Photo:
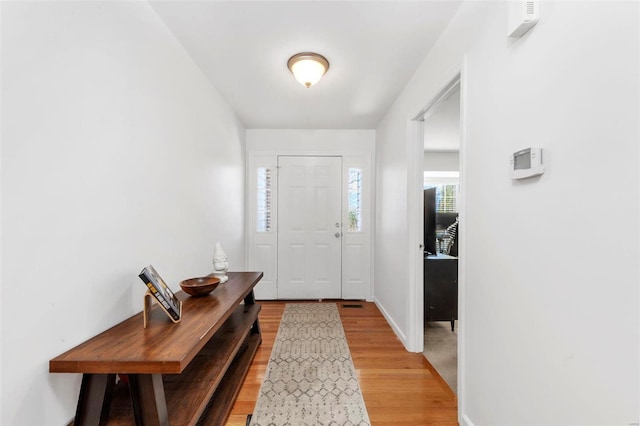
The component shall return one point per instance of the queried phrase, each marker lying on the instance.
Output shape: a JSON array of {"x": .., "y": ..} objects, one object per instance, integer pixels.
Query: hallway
[{"x": 399, "y": 387}]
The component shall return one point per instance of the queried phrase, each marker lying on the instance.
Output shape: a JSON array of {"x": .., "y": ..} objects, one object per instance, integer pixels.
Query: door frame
[{"x": 415, "y": 209}]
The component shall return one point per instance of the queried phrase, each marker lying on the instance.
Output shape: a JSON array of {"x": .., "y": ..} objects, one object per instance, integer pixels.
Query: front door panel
[{"x": 309, "y": 227}]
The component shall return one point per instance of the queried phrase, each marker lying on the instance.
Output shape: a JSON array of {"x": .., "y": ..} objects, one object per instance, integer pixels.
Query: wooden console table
[{"x": 176, "y": 374}]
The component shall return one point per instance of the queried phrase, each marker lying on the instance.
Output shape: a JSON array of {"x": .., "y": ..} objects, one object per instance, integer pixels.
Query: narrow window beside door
[
  {"x": 355, "y": 200},
  {"x": 264, "y": 200}
]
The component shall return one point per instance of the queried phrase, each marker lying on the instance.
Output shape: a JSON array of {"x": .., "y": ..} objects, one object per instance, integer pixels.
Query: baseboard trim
[
  {"x": 392, "y": 323},
  {"x": 465, "y": 420}
]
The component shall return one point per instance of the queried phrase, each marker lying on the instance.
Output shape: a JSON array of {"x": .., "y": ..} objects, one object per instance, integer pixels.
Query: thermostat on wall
[{"x": 526, "y": 163}]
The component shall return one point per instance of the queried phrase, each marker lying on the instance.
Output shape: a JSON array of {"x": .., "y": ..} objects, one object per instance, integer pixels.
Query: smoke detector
[{"x": 523, "y": 15}]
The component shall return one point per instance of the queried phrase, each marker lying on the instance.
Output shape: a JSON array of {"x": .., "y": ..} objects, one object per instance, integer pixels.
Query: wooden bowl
[{"x": 199, "y": 286}]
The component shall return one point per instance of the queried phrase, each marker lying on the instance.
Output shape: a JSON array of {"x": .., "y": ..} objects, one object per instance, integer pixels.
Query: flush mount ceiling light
[{"x": 308, "y": 67}]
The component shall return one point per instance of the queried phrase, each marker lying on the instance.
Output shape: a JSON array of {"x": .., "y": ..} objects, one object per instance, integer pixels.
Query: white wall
[
  {"x": 442, "y": 124},
  {"x": 310, "y": 142},
  {"x": 550, "y": 317},
  {"x": 116, "y": 153},
  {"x": 1, "y": 174},
  {"x": 442, "y": 135},
  {"x": 441, "y": 161}
]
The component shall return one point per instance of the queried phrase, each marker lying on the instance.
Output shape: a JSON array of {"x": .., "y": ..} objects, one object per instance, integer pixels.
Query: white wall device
[
  {"x": 526, "y": 163},
  {"x": 523, "y": 15}
]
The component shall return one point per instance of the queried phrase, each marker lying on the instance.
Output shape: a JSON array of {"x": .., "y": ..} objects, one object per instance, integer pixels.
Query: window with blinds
[
  {"x": 446, "y": 185},
  {"x": 446, "y": 198},
  {"x": 264, "y": 200}
]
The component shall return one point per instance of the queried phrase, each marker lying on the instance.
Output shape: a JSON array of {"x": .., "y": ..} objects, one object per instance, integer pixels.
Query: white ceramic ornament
[{"x": 220, "y": 264}]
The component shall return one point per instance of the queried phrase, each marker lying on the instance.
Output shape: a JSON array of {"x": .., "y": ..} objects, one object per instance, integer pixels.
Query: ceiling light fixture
[{"x": 308, "y": 67}]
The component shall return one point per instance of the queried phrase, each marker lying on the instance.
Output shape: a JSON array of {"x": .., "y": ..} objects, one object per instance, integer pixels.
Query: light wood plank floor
[{"x": 399, "y": 387}]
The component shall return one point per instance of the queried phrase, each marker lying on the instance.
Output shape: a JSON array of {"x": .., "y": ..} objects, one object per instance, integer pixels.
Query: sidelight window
[
  {"x": 264, "y": 201},
  {"x": 355, "y": 200}
]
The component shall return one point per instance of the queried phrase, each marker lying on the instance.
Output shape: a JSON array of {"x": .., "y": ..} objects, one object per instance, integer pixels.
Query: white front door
[{"x": 309, "y": 227}]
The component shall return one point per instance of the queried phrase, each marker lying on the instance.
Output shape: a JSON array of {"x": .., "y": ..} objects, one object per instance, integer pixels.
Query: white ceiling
[{"x": 374, "y": 47}]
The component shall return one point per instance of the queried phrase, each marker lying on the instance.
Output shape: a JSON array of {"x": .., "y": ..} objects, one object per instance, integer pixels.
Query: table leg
[
  {"x": 95, "y": 399},
  {"x": 249, "y": 298},
  {"x": 148, "y": 400}
]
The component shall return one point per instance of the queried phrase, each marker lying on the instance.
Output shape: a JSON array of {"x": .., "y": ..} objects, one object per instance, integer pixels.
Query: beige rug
[{"x": 310, "y": 378}]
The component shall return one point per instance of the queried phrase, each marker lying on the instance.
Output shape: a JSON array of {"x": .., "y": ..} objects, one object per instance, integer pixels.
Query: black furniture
[
  {"x": 430, "y": 221},
  {"x": 441, "y": 288}
]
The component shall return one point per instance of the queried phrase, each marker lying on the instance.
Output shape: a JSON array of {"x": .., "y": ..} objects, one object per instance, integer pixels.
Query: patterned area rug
[{"x": 310, "y": 378}]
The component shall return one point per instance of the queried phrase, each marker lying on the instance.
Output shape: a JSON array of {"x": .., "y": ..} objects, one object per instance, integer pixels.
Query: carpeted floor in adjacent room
[{"x": 441, "y": 350}]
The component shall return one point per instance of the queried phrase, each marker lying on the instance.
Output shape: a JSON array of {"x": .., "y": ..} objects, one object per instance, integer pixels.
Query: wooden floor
[{"x": 399, "y": 387}]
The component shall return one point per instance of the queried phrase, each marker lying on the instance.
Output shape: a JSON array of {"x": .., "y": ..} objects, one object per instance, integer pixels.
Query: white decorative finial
[{"x": 220, "y": 264}]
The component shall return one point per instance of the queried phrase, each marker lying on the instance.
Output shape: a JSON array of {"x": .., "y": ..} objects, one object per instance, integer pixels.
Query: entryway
[{"x": 310, "y": 214}]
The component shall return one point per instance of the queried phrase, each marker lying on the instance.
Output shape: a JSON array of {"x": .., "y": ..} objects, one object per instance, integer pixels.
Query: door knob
[{"x": 337, "y": 234}]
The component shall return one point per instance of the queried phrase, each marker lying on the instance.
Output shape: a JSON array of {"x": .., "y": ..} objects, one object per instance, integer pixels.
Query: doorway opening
[{"x": 438, "y": 140}]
